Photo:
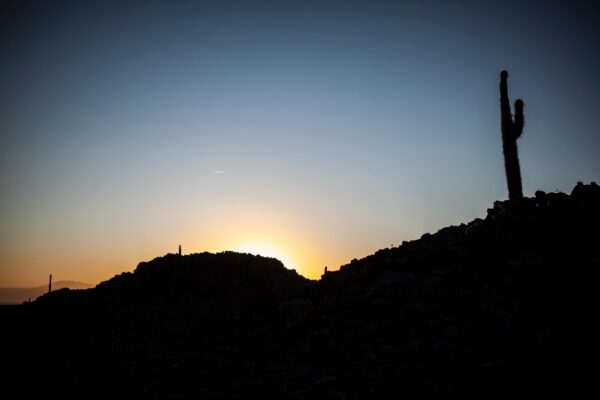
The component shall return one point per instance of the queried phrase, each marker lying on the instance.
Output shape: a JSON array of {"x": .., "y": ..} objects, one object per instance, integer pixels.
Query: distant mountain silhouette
[
  {"x": 20, "y": 295},
  {"x": 501, "y": 307}
]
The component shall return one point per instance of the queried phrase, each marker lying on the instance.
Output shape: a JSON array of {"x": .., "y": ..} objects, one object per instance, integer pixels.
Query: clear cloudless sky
[{"x": 313, "y": 131}]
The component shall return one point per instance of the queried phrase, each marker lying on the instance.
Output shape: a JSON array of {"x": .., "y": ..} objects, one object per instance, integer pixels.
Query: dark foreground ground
[{"x": 502, "y": 307}]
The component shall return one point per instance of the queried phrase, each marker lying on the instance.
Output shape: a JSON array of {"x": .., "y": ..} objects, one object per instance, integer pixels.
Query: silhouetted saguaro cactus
[{"x": 511, "y": 131}]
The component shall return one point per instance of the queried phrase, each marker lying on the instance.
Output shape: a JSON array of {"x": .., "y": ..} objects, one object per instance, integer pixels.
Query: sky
[{"x": 312, "y": 131}]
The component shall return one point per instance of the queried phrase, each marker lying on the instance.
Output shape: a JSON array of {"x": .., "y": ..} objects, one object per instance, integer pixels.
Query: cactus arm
[{"x": 519, "y": 119}]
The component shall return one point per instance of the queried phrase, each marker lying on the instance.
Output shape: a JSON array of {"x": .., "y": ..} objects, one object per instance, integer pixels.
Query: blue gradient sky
[{"x": 341, "y": 127}]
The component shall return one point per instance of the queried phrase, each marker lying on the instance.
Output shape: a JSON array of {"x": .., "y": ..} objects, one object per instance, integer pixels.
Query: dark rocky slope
[{"x": 502, "y": 307}]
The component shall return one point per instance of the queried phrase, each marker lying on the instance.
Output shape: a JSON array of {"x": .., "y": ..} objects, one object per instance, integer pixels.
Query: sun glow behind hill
[
  {"x": 287, "y": 234},
  {"x": 289, "y": 249},
  {"x": 266, "y": 251}
]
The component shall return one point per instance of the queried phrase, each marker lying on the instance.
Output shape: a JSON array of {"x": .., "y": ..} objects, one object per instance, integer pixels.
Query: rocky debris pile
[
  {"x": 501, "y": 307},
  {"x": 546, "y": 226}
]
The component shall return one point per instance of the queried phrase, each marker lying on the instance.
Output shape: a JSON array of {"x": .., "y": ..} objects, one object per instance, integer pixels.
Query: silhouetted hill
[
  {"x": 501, "y": 307},
  {"x": 20, "y": 295},
  {"x": 204, "y": 281}
]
